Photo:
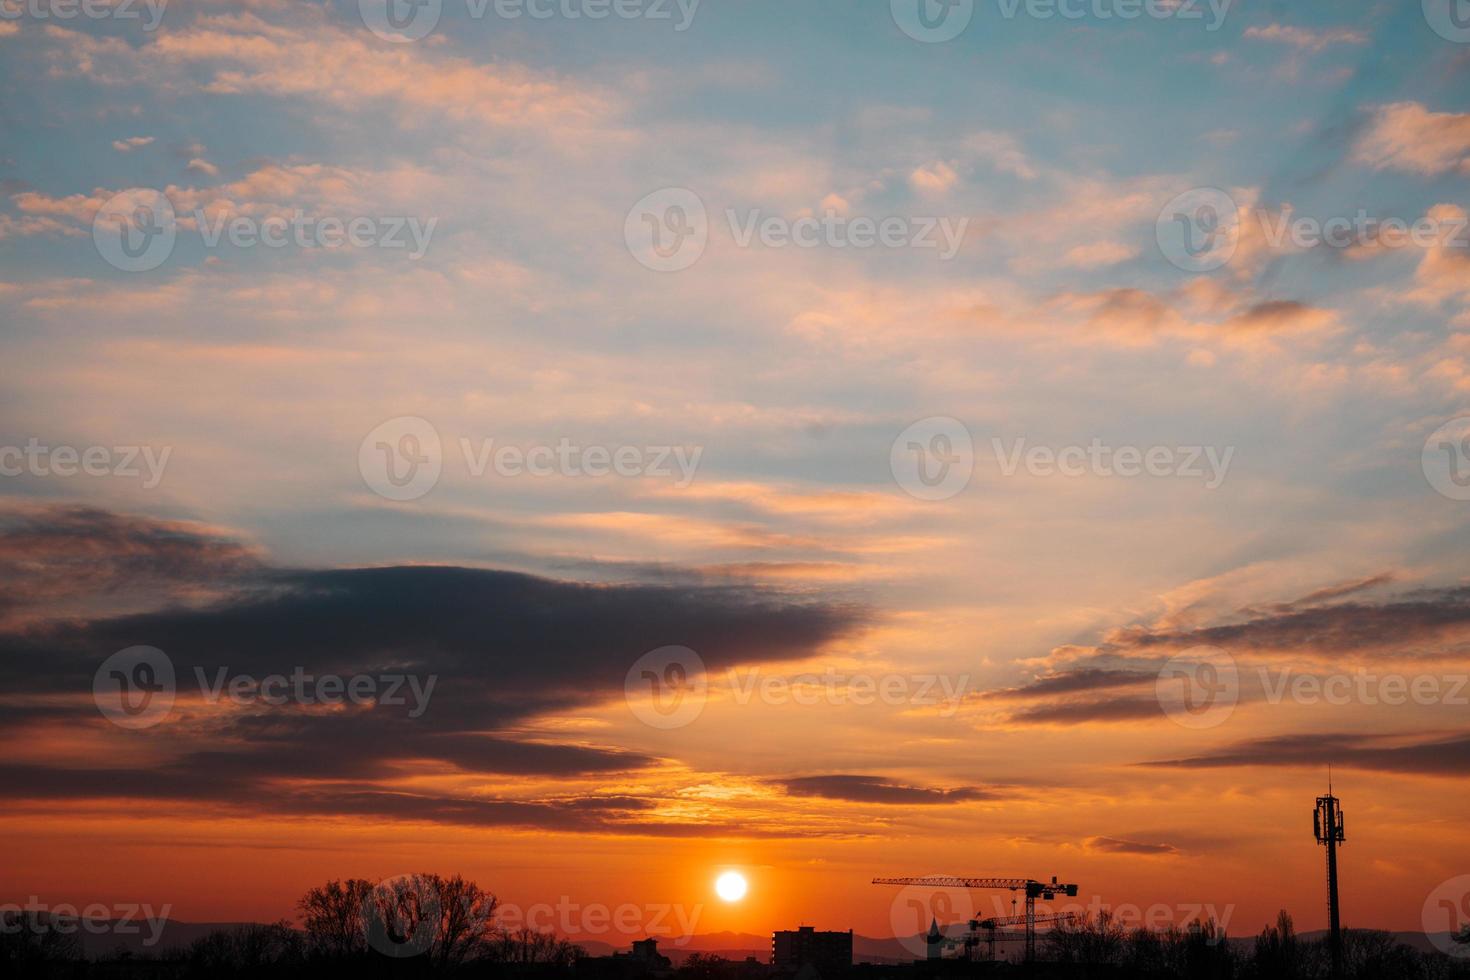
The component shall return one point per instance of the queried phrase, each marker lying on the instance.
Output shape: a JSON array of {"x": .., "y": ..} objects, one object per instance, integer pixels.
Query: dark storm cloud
[
  {"x": 504, "y": 645},
  {"x": 1431, "y": 755},
  {"x": 872, "y": 789},
  {"x": 1420, "y": 617},
  {"x": 499, "y": 647}
]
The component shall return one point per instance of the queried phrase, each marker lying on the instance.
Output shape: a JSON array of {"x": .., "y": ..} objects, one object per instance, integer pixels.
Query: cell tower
[{"x": 1327, "y": 825}]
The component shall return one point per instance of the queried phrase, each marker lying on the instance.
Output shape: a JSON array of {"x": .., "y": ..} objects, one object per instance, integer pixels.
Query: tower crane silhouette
[{"x": 1031, "y": 887}]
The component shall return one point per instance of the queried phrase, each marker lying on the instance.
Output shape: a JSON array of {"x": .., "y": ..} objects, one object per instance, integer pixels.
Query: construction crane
[{"x": 1032, "y": 889}]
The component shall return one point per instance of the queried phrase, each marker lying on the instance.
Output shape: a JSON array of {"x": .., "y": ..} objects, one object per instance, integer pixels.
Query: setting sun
[{"x": 730, "y": 886}]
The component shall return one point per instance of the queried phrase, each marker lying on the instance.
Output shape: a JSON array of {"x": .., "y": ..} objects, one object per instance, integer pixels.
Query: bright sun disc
[{"x": 730, "y": 886}]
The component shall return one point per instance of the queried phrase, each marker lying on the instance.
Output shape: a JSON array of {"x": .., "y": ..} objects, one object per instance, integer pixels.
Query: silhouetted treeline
[
  {"x": 1096, "y": 946},
  {"x": 427, "y": 926},
  {"x": 408, "y": 927}
]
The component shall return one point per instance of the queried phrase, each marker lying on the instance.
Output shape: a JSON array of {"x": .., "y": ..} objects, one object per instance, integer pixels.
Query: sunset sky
[{"x": 1019, "y": 624}]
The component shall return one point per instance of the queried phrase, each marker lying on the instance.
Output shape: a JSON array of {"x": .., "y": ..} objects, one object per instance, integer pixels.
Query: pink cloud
[{"x": 1407, "y": 136}]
